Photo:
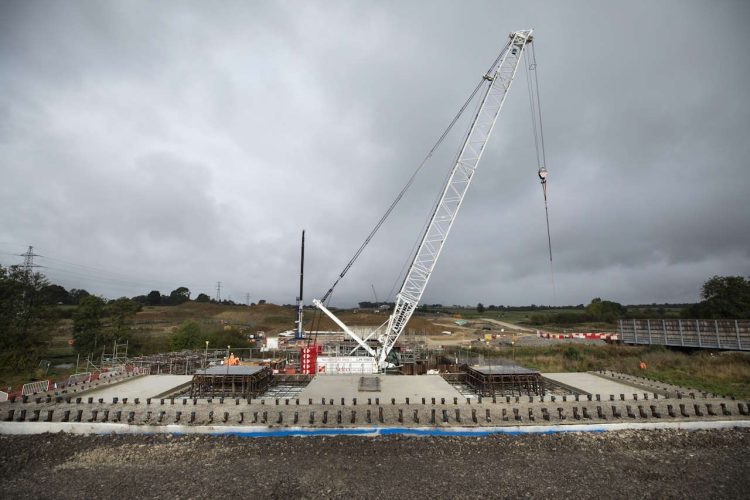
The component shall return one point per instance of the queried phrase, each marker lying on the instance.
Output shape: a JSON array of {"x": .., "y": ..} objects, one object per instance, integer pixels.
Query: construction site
[
  {"x": 365, "y": 379},
  {"x": 382, "y": 402},
  {"x": 269, "y": 396}
]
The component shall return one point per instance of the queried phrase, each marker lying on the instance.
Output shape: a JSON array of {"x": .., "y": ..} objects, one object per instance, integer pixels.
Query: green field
[
  {"x": 540, "y": 318},
  {"x": 523, "y": 318},
  {"x": 726, "y": 373},
  {"x": 510, "y": 315}
]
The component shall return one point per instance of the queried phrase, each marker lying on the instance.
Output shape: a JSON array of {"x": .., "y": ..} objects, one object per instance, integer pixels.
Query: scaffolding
[
  {"x": 117, "y": 357},
  {"x": 178, "y": 363},
  {"x": 414, "y": 359}
]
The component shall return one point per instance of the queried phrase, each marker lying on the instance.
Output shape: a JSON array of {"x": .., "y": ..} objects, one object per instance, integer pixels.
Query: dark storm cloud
[{"x": 187, "y": 144}]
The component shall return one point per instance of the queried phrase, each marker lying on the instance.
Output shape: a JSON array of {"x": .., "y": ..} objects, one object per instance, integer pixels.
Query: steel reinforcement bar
[{"x": 419, "y": 413}]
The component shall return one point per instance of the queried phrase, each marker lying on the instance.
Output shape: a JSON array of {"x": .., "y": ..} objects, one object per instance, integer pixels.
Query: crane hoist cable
[
  {"x": 452, "y": 195},
  {"x": 538, "y": 131},
  {"x": 408, "y": 184},
  {"x": 410, "y": 256},
  {"x": 326, "y": 298},
  {"x": 538, "y": 105},
  {"x": 532, "y": 81}
]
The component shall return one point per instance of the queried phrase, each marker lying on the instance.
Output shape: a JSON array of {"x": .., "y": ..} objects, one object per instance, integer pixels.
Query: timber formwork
[
  {"x": 231, "y": 381},
  {"x": 503, "y": 380}
]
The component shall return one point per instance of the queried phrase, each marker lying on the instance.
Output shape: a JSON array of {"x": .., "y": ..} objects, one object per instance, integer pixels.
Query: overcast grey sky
[{"x": 151, "y": 145}]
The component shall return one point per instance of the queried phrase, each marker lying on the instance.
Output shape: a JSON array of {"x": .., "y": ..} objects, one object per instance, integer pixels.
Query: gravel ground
[{"x": 627, "y": 464}]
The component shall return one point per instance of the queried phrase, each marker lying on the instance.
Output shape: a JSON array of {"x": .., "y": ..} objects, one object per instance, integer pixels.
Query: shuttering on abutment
[
  {"x": 730, "y": 334},
  {"x": 489, "y": 380},
  {"x": 230, "y": 381}
]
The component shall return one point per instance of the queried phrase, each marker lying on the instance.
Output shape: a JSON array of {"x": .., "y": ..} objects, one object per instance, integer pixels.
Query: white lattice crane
[{"x": 498, "y": 81}]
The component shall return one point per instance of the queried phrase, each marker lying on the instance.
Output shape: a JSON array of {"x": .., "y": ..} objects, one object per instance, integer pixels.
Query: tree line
[
  {"x": 30, "y": 311},
  {"x": 598, "y": 310},
  {"x": 27, "y": 318},
  {"x": 56, "y": 294},
  {"x": 724, "y": 297}
]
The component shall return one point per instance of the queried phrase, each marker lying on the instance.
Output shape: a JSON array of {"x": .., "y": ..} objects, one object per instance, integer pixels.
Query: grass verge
[{"x": 726, "y": 373}]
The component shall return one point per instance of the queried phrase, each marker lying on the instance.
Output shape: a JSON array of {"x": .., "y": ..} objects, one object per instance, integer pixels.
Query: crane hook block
[{"x": 542, "y": 174}]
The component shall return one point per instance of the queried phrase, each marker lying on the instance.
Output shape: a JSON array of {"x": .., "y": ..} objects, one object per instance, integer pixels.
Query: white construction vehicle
[{"x": 497, "y": 82}]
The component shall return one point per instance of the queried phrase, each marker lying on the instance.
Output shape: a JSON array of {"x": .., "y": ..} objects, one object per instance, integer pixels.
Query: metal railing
[
  {"x": 78, "y": 378},
  {"x": 730, "y": 334},
  {"x": 35, "y": 387}
]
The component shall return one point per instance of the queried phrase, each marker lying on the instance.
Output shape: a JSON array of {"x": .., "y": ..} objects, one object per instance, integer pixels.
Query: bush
[
  {"x": 230, "y": 337},
  {"x": 187, "y": 336},
  {"x": 566, "y": 318},
  {"x": 571, "y": 353}
]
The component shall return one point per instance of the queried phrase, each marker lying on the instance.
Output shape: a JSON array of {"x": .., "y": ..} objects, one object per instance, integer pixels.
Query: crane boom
[
  {"x": 499, "y": 80},
  {"x": 454, "y": 192}
]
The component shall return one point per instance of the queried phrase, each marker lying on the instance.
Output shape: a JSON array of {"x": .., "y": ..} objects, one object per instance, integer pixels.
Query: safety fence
[
  {"x": 605, "y": 336},
  {"x": 35, "y": 387},
  {"x": 728, "y": 334},
  {"x": 141, "y": 370},
  {"x": 79, "y": 378}
]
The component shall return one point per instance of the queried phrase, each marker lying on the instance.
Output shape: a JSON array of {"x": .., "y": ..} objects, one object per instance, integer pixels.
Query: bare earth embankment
[{"x": 627, "y": 464}]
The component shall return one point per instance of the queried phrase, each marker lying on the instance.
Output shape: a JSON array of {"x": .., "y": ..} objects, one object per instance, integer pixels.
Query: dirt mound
[{"x": 629, "y": 464}]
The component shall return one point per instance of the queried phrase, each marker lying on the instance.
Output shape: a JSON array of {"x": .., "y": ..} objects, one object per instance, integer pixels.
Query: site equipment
[
  {"x": 497, "y": 82},
  {"x": 300, "y": 331}
]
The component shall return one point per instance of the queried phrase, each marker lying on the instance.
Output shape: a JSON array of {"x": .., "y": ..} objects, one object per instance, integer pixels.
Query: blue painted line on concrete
[
  {"x": 292, "y": 432},
  {"x": 402, "y": 431},
  {"x": 442, "y": 432},
  {"x": 260, "y": 432}
]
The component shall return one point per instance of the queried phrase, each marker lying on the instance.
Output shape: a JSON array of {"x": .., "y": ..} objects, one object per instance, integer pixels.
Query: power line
[
  {"x": 70, "y": 271},
  {"x": 144, "y": 285},
  {"x": 85, "y": 270}
]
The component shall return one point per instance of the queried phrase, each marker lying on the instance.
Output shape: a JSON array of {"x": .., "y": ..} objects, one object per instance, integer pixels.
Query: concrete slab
[
  {"x": 592, "y": 384},
  {"x": 391, "y": 386},
  {"x": 142, "y": 387}
]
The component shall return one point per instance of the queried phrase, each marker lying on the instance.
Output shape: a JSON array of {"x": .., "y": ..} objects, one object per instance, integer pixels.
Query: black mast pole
[{"x": 300, "y": 304}]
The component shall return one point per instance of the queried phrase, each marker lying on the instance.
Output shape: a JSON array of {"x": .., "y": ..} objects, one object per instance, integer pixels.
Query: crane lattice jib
[{"x": 442, "y": 219}]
